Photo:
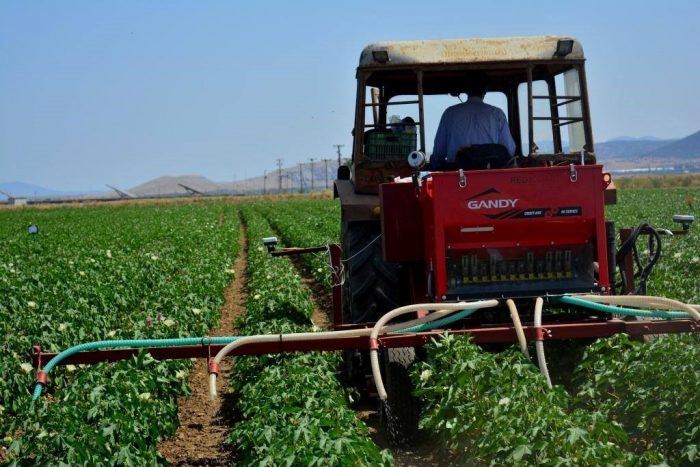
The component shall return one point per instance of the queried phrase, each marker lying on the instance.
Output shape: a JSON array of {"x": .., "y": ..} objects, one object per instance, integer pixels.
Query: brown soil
[
  {"x": 322, "y": 315},
  {"x": 201, "y": 438}
]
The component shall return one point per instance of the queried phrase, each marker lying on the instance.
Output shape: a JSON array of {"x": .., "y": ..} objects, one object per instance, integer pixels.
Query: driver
[{"x": 470, "y": 123}]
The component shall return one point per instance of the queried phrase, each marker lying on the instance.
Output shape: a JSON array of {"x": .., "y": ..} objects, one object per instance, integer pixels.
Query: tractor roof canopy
[
  {"x": 392, "y": 65},
  {"x": 460, "y": 51}
]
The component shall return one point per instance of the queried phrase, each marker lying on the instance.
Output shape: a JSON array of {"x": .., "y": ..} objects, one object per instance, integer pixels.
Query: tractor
[{"x": 531, "y": 227}]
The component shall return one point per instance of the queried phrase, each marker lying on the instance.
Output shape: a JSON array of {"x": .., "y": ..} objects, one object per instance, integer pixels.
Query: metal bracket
[
  {"x": 573, "y": 175},
  {"x": 462, "y": 179}
]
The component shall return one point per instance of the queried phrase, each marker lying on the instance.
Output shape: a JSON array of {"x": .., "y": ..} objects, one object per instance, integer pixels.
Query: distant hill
[
  {"x": 624, "y": 148},
  {"x": 26, "y": 190},
  {"x": 686, "y": 148},
  {"x": 31, "y": 191},
  {"x": 635, "y": 138},
  {"x": 169, "y": 185}
]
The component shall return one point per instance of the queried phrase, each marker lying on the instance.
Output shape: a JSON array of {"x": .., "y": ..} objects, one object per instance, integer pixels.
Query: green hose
[
  {"x": 620, "y": 311},
  {"x": 135, "y": 343},
  {"x": 439, "y": 322}
]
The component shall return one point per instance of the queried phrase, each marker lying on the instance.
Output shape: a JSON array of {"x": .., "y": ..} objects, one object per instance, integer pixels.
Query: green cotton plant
[
  {"x": 676, "y": 274},
  {"x": 291, "y": 408},
  {"x": 103, "y": 273},
  {"x": 496, "y": 409},
  {"x": 650, "y": 388},
  {"x": 307, "y": 223}
]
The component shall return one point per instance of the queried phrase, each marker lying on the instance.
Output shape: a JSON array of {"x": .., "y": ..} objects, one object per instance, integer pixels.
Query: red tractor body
[{"x": 501, "y": 233}]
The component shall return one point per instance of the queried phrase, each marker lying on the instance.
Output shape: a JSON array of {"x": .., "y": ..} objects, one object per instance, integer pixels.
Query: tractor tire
[
  {"x": 400, "y": 413},
  {"x": 372, "y": 286}
]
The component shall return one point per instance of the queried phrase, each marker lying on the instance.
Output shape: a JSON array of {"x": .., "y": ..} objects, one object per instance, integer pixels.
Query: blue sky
[{"x": 122, "y": 92}]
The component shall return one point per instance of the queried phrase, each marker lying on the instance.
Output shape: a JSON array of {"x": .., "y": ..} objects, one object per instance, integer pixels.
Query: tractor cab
[{"x": 404, "y": 87}]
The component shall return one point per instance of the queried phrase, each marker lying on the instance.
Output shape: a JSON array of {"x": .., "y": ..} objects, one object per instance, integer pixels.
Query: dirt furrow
[{"x": 201, "y": 438}]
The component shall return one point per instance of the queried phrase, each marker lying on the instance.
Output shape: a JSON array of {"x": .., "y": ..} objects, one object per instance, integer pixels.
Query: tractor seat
[{"x": 481, "y": 157}]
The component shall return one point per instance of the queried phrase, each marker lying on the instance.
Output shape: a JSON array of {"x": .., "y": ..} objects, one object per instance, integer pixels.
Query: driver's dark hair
[{"x": 475, "y": 83}]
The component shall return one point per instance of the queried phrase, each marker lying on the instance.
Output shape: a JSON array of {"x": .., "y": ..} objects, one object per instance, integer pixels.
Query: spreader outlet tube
[
  {"x": 518, "y": 327},
  {"x": 539, "y": 343}
]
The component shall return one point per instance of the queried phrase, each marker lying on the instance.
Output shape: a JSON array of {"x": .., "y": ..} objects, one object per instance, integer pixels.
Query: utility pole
[
  {"x": 312, "y": 172},
  {"x": 338, "y": 146},
  {"x": 325, "y": 162},
  {"x": 279, "y": 173},
  {"x": 264, "y": 182},
  {"x": 301, "y": 179}
]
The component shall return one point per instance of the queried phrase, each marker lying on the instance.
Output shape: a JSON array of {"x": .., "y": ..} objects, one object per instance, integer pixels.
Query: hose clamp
[
  {"x": 373, "y": 343},
  {"x": 214, "y": 368},
  {"x": 42, "y": 377},
  {"x": 540, "y": 333}
]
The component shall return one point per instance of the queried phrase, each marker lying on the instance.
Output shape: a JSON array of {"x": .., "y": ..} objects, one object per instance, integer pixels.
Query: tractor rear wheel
[{"x": 372, "y": 286}]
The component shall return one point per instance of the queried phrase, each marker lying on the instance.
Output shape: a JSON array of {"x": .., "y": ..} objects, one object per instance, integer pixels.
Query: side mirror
[
  {"x": 684, "y": 220},
  {"x": 270, "y": 243}
]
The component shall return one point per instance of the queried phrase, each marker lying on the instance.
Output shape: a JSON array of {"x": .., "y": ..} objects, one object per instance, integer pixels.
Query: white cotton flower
[
  {"x": 154, "y": 258},
  {"x": 319, "y": 269},
  {"x": 256, "y": 296},
  {"x": 71, "y": 368},
  {"x": 169, "y": 322},
  {"x": 111, "y": 333},
  {"x": 12, "y": 270},
  {"x": 677, "y": 255},
  {"x": 144, "y": 396},
  {"x": 196, "y": 311},
  {"x": 92, "y": 260},
  {"x": 180, "y": 374},
  {"x": 425, "y": 375},
  {"x": 109, "y": 253},
  {"x": 695, "y": 259},
  {"x": 31, "y": 304},
  {"x": 261, "y": 248},
  {"x": 71, "y": 262},
  {"x": 230, "y": 271},
  {"x": 269, "y": 277},
  {"x": 62, "y": 327},
  {"x": 26, "y": 367},
  {"x": 81, "y": 273},
  {"x": 504, "y": 401}
]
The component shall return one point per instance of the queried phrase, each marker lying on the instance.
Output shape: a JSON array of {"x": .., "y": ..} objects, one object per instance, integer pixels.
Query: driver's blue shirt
[{"x": 471, "y": 122}]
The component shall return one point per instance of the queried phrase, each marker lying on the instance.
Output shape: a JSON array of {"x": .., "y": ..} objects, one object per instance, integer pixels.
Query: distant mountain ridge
[
  {"x": 30, "y": 190},
  {"x": 686, "y": 148},
  {"x": 618, "y": 153},
  {"x": 629, "y": 148},
  {"x": 626, "y": 148},
  {"x": 168, "y": 185}
]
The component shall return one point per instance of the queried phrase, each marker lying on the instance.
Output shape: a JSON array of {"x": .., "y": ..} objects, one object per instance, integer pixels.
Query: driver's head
[{"x": 476, "y": 84}]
